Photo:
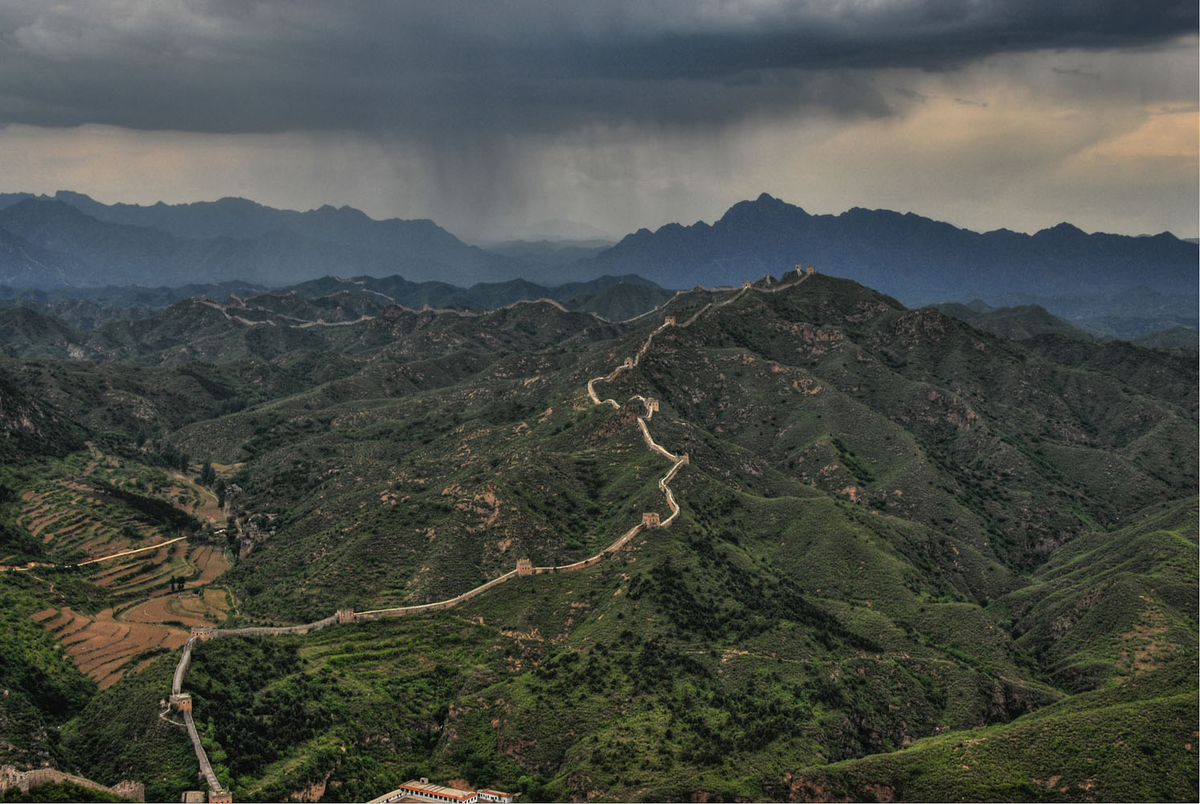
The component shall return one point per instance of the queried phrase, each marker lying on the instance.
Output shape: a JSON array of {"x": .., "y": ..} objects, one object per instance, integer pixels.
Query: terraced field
[
  {"x": 69, "y": 511},
  {"x": 145, "y": 571},
  {"x": 201, "y": 502},
  {"x": 201, "y": 564},
  {"x": 73, "y": 522},
  {"x": 76, "y": 520},
  {"x": 103, "y": 647},
  {"x": 114, "y": 641},
  {"x": 205, "y": 607}
]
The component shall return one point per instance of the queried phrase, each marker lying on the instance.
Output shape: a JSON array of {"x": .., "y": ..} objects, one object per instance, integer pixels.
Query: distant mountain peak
[
  {"x": 70, "y": 195},
  {"x": 912, "y": 257},
  {"x": 1062, "y": 229}
]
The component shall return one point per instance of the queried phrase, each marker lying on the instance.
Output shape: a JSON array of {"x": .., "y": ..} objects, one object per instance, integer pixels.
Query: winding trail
[
  {"x": 182, "y": 700},
  {"x": 41, "y": 564}
]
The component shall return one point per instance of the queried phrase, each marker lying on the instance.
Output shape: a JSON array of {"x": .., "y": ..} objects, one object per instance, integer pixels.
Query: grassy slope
[{"x": 1133, "y": 742}]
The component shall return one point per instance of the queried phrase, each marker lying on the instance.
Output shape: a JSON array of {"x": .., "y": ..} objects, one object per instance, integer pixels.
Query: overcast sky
[{"x": 490, "y": 116}]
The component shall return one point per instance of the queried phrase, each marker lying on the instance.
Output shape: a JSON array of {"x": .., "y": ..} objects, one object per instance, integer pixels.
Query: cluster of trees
[
  {"x": 150, "y": 510},
  {"x": 168, "y": 455}
]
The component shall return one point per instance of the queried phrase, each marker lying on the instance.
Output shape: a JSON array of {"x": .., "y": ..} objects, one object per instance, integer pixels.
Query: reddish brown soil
[{"x": 101, "y": 646}]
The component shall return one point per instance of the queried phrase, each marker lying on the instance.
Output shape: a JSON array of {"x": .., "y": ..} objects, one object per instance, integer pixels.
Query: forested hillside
[{"x": 913, "y": 559}]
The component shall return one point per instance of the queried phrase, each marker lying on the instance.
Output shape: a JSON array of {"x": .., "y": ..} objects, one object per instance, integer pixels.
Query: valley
[{"x": 888, "y": 533}]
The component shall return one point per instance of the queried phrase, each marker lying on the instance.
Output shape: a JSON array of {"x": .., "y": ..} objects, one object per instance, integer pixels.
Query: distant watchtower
[
  {"x": 746, "y": 283},
  {"x": 524, "y": 567},
  {"x": 650, "y": 519},
  {"x": 812, "y": 269},
  {"x": 345, "y": 616},
  {"x": 651, "y": 404},
  {"x": 181, "y": 701},
  {"x": 202, "y": 633},
  {"x": 669, "y": 321},
  {"x": 628, "y": 363}
]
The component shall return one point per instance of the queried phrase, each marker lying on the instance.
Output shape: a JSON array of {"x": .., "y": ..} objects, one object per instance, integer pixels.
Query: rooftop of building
[{"x": 436, "y": 789}]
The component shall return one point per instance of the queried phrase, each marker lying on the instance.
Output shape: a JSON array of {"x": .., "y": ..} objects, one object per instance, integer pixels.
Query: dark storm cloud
[{"x": 445, "y": 69}]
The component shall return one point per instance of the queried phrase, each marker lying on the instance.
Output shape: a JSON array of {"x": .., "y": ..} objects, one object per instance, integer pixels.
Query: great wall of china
[
  {"x": 182, "y": 702},
  {"x": 13, "y": 779}
]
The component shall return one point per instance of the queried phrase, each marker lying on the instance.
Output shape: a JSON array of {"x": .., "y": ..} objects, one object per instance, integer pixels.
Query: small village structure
[{"x": 424, "y": 790}]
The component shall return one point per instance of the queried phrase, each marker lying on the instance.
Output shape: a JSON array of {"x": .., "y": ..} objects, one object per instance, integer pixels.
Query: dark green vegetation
[
  {"x": 907, "y": 546},
  {"x": 40, "y": 690}
]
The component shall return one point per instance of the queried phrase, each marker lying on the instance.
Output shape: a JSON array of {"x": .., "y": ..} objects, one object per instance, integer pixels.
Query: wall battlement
[{"x": 10, "y": 777}]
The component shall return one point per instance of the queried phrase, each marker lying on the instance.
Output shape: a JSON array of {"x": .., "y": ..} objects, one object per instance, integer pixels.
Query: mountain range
[
  {"x": 1124, "y": 286},
  {"x": 914, "y": 559},
  {"x": 915, "y": 259}
]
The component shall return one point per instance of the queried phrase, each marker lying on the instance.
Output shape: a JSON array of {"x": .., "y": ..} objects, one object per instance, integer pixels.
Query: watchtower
[
  {"x": 650, "y": 519},
  {"x": 628, "y": 363},
  {"x": 344, "y": 616},
  {"x": 10, "y": 777},
  {"x": 669, "y": 321},
  {"x": 812, "y": 269},
  {"x": 134, "y": 791},
  {"x": 202, "y": 633},
  {"x": 746, "y": 283},
  {"x": 181, "y": 701},
  {"x": 220, "y": 797},
  {"x": 799, "y": 269},
  {"x": 524, "y": 567},
  {"x": 651, "y": 404},
  {"x": 685, "y": 460}
]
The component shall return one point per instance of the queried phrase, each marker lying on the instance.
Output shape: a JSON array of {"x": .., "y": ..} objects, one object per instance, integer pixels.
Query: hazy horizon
[{"x": 522, "y": 232}]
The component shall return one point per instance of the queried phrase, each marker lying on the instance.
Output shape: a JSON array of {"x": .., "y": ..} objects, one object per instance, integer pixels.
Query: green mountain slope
[{"x": 901, "y": 541}]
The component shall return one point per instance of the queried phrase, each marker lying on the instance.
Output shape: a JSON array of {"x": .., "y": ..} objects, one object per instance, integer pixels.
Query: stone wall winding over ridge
[{"x": 346, "y": 617}]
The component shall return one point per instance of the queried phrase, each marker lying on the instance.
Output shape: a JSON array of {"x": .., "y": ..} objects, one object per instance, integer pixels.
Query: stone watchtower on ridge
[
  {"x": 650, "y": 519},
  {"x": 524, "y": 567}
]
